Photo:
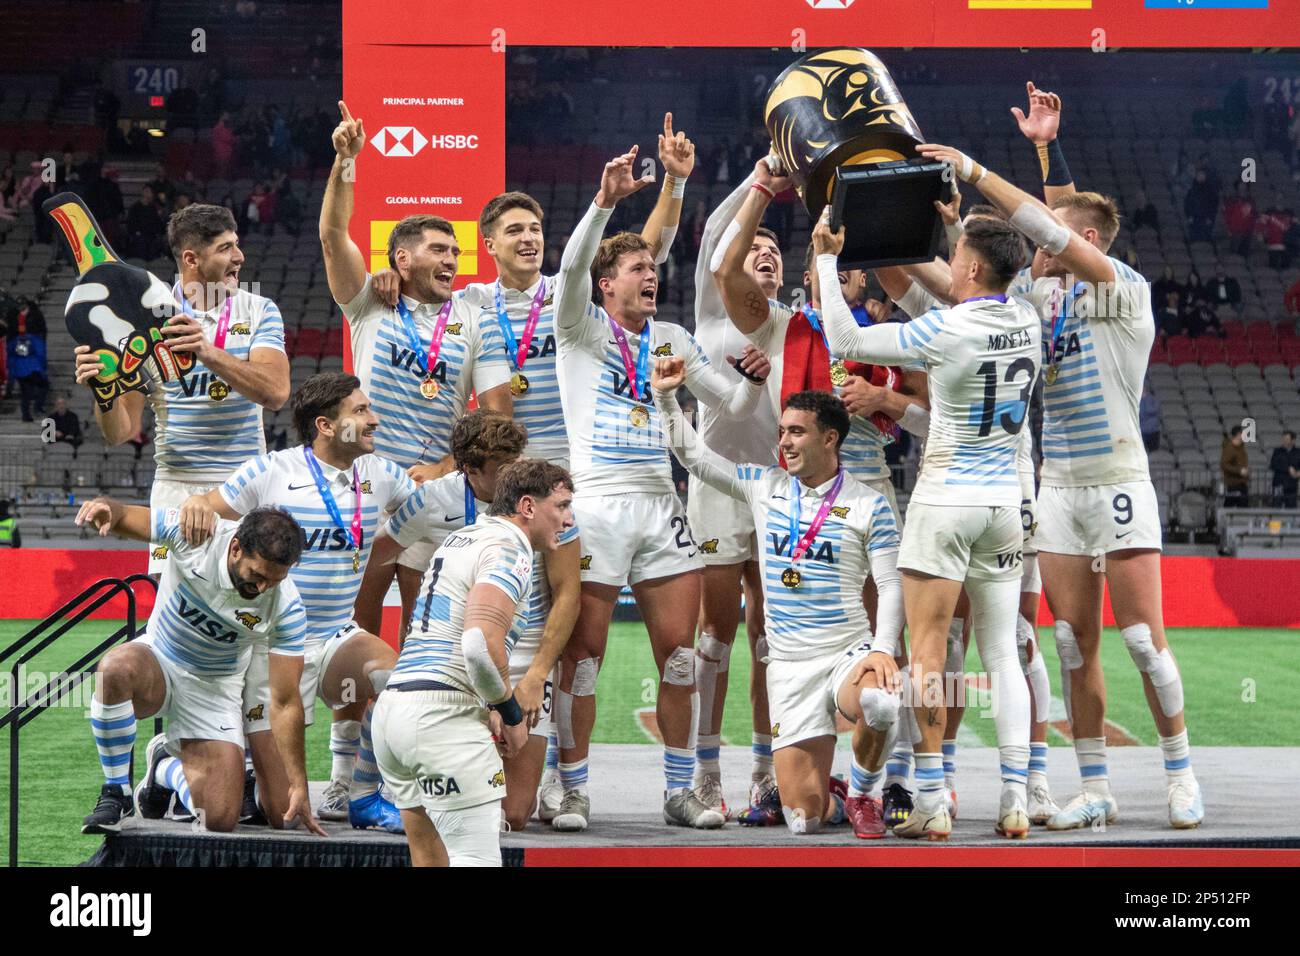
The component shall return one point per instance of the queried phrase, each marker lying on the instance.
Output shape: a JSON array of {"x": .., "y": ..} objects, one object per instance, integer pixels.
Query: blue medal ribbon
[
  {"x": 636, "y": 379},
  {"x": 471, "y": 506},
  {"x": 322, "y": 486}
]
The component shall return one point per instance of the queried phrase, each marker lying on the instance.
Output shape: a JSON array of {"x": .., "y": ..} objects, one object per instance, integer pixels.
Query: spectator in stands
[
  {"x": 1201, "y": 206},
  {"x": 1199, "y": 318},
  {"x": 10, "y": 536},
  {"x": 1149, "y": 417},
  {"x": 25, "y": 351},
  {"x": 183, "y": 199},
  {"x": 260, "y": 210},
  {"x": 223, "y": 147},
  {"x": 1224, "y": 289},
  {"x": 551, "y": 260},
  {"x": 1239, "y": 216},
  {"x": 1273, "y": 226},
  {"x": 1291, "y": 301},
  {"x": 1285, "y": 465},
  {"x": 8, "y": 192},
  {"x": 67, "y": 425},
  {"x": 1236, "y": 470},
  {"x": 278, "y": 142},
  {"x": 1164, "y": 287},
  {"x": 288, "y": 209},
  {"x": 164, "y": 193},
  {"x": 145, "y": 228},
  {"x": 1145, "y": 214}
]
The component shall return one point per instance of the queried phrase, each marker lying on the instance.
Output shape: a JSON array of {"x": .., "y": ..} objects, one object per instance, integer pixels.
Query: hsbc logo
[{"x": 408, "y": 141}]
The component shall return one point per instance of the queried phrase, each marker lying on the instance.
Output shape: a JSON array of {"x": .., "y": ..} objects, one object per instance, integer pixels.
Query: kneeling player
[
  {"x": 823, "y": 531},
  {"x": 435, "y": 740},
  {"x": 482, "y": 443},
  {"x": 214, "y": 602}
]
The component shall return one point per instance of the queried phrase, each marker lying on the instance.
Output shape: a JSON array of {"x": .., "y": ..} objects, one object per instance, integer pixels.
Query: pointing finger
[
  {"x": 343, "y": 108},
  {"x": 668, "y": 125}
]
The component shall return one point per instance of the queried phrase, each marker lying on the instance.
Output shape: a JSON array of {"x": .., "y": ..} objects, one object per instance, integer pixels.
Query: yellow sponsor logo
[
  {"x": 365, "y": 487},
  {"x": 466, "y": 237},
  {"x": 665, "y": 349},
  {"x": 710, "y": 546},
  {"x": 842, "y": 511},
  {"x": 255, "y": 713},
  {"x": 585, "y": 562},
  {"x": 249, "y": 621},
  {"x": 1029, "y": 4},
  {"x": 776, "y": 730},
  {"x": 243, "y": 328},
  {"x": 454, "y": 329},
  {"x": 159, "y": 552},
  {"x": 498, "y": 779}
]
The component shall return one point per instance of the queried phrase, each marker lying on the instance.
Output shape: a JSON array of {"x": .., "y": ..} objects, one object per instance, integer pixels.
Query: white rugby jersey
[
  {"x": 324, "y": 575},
  {"x": 754, "y": 439},
  {"x": 609, "y": 452},
  {"x": 413, "y": 428},
  {"x": 492, "y": 551},
  {"x": 1091, "y": 432},
  {"x": 863, "y": 451},
  {"x": 206, "y": 429},
  {"x": 824, "y": 613},
  {"x": 201, "y": 622},
  {"x": 539, "y": 409},
  {"x": 438, "y": 508},
  {"x": 982, "y": 358}
]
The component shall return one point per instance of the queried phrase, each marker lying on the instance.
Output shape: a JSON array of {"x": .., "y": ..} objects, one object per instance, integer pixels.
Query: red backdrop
[{"x": 1198, "y": 592}]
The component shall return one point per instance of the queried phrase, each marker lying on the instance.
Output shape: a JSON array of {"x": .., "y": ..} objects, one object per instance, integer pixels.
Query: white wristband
[{"x": 678, "y": 186}]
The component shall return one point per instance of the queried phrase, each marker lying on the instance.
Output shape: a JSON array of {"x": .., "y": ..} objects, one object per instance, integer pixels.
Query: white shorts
[
  {"x": 801, "y": 694},
  {"x": 315, "y": 661},
  {"x": 1031, "y": 581},
  {"x": 627, "y": 539},
  {"x": 1097, "y": 519},
  {"x": 199, "y": 708},
  {"x": 521, "y": 658},
  {"x": 723, "y": 525},
  {"x": 165, "y": 494},
  {"x": 434, "y": 750},
  {"x": 962, "y": 541},
  {"x": 418, "y": 556}
]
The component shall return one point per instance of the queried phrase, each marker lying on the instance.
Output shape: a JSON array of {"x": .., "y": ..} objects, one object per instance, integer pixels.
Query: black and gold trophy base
[{"x": 889, "y": 211}]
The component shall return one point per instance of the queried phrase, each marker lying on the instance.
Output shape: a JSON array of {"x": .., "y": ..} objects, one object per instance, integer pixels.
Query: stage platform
[{"x": 1248, "y": 792}]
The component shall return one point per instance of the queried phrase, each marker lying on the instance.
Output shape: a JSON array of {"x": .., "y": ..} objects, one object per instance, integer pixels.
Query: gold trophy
[{"x": 842, "y": 132}]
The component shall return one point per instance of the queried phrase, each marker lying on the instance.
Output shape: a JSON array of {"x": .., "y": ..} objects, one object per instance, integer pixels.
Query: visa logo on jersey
[
  {"x": 1206, "y": 4},
  {"x": 466, "y": 237}
]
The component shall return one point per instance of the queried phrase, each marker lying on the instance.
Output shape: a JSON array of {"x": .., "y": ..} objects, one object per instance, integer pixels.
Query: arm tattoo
[
  {"x": 475, "y": 616},
  {"x": 755, "y": 303}
]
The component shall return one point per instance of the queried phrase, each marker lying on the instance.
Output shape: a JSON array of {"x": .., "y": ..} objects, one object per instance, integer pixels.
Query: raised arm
[
  {"x": 1041, "y": 127},
  {"x": 696, "y": 457},
  {"x": 719, "y": 231},
  {"x": 106, "y": 515},
  {"x": 345, "y": 266},
  {"x": 1044, "y": 229},
  {"x": 742, "y": 296},
  {"x": 677, "y": 153}
]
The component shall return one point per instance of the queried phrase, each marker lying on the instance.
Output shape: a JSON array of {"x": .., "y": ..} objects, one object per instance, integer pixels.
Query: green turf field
[{"x": 1239, "y": 683}]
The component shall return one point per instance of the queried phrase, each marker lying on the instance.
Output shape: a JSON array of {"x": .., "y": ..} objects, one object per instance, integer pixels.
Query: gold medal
[
  {"x": 839, "y": 373},
  {"x": 518, "y": 384},
  {"x": 1050, "y": 375},
  {"x": 218, "y": 390},
  {"x": 356, "y": 560},
  {"x": 639, "y": 416},
  {"x": 429, "y": 389},
  {"x": 791, "y": 578}
]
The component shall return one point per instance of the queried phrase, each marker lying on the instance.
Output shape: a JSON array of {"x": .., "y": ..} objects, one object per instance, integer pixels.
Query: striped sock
[
  {"x": 679, "y": 768},
  {"x": 113, "y": 726},
  {"x": 171, "y": 774},
  {"x": 1014, "y": 759},
  {"x": 949, "y": 748},
  {"x": 345, "y": 738},
  {"x": 708, "y": 751},
  {"x": 1178, "y": 757},
  {"x": 862, "y": 782},
  {"x": 573, "y": 776},
  {"x": 365, "y": 772},
  {"x": 1091, "y": 752},
  {"x": 1037, "y": 764},
  {"x": 761, "y": 748},
  {"x": 552, "y": 753},
  {"x": 929, "y": 781},
  {"x": 899, "y": 764}
]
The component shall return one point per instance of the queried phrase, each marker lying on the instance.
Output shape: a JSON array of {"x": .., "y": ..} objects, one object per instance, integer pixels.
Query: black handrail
[{"x": 24, "y": 711}]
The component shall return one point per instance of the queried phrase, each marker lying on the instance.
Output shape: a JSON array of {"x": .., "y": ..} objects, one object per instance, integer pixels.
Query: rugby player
[
  {"x": 963, "y": 521},
  {"x": 215, "y": 602},
  {"x": 418, "y": 360},
  {"x": 1098, "y": 521},
  {"x": 338, "y": 490},
  {"x": 434, "y": 736},
  {"x": 482, "y": 443},
  {"x": 823, "y": 532},
  {"x": 633, "y": 525}
]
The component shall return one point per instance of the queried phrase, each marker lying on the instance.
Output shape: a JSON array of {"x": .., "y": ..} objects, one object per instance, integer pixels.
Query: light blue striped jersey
[
  {"x": 1091, "y": 432},
  {"x": 539, "y": 408},
  {"x": 492, "y": 551},
  {"x": 201, "y": 622},
  {"x": 438, "y": 508},
  {"x": 324, "y": 575},
  {"x": 863, "y": 451},
  {"x": 206, "y": 429},
  {"x": 471, "y": 359}
]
